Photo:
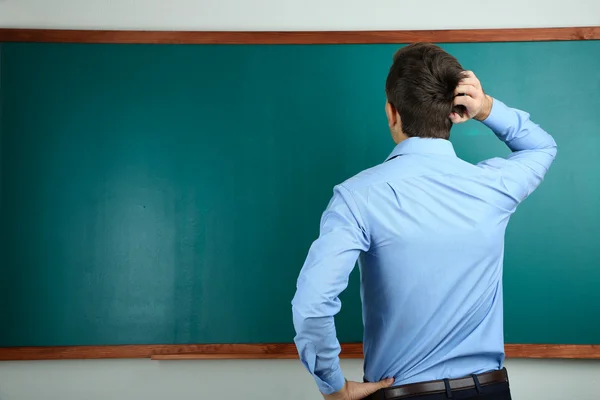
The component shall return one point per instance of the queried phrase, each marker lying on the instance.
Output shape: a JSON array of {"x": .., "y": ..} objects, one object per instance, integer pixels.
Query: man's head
[{"x": 420, "y": 91}]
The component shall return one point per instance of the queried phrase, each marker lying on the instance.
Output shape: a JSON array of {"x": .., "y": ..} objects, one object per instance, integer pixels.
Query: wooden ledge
[
  {"x": 254, "y": 351},
  {"x": 303, "y": 37}
]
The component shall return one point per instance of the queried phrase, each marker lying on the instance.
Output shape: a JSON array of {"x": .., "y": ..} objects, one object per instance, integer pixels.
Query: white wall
[
  {"x": 296, "y": 14},
  {"x": 272, "y": 380},
  {"x": 246, "y": 380}
]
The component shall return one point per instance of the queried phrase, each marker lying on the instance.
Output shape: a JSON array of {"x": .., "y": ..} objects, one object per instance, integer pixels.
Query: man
[{"x": 428, "y": 229}]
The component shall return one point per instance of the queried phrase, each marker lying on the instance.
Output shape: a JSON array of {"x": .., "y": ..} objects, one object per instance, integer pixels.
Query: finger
[
  {"x": 469, "y": 81},
  {"x": 367, "y": 389},
  {"x": 470, "y": 78},
  {"x": 466, "y": 89},
  {"x": 467, "y": 101},
  {"x": 457, "y": 118},
  {"x": 470, "y": 75}
]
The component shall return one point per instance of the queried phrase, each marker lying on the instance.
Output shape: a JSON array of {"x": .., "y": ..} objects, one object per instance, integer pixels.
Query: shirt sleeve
[
  {"x": 323, "y": 277},
  {"x": 533, "y": 150}
]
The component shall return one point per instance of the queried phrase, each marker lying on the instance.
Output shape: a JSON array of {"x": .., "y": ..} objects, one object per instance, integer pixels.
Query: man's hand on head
[
  {"x": 358, "y": 391},
  {"x": 470, "y": 95}
]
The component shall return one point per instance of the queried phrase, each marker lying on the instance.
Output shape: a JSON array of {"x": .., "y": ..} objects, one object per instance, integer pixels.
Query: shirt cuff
[
  {"x": 332, "y": 382},
  {"x": 500, "y": 119}
]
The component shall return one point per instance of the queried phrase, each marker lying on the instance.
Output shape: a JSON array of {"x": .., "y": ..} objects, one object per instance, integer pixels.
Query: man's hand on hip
[
  {"x": 470, "y": 95},
  {"x": 358, "y": 391}
]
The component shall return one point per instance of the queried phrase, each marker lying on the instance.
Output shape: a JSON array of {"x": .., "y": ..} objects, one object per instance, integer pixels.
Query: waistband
[{"x": 441, "y": 386}]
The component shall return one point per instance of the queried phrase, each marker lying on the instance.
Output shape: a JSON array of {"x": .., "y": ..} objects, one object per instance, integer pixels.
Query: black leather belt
[{"x": 434, "y": 387}]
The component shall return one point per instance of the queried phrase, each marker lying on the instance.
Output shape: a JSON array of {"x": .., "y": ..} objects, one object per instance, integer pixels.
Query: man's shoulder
[
  {"x": 393, "y": 171},
  {"x": 407, "y": 169},
  {"x": 365, "y": 179}
]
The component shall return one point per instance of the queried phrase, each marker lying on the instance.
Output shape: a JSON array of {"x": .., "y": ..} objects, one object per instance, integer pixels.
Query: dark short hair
[{"x": 420, "y": 86}]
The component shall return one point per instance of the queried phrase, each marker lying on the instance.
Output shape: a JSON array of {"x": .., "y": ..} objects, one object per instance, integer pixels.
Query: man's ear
[{"x": 392, "y": 114}]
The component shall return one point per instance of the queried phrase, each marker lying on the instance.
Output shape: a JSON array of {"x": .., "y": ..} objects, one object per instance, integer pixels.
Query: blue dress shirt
[{"x": 428, "y": 231}]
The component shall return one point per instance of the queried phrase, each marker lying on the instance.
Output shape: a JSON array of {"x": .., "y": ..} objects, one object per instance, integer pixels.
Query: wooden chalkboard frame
[
  {"x": 254, "y": 351},
  {"x": 304, "y": 37},
  {"x": 281, "y": 351}
]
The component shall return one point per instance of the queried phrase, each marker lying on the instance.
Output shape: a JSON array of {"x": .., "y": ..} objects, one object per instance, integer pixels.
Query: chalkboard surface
[{"x": 169, "y": 193}]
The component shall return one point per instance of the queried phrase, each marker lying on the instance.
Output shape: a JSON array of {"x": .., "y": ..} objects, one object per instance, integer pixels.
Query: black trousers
[{"x": 496, "y": 391}]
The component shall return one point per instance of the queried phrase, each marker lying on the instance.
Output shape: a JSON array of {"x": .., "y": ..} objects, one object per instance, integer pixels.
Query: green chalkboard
[{"x": 169, "y": 193}]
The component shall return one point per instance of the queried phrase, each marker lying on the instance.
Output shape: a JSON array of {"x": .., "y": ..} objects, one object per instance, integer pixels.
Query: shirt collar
[{"x": 417, "y": 145}]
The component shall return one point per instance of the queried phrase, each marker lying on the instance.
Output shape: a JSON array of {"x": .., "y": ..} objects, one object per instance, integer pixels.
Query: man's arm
[
  {"x": 343, "y": 235},
  {"x": 324, "y": 276},
  {"x": 533, "y": 149}
]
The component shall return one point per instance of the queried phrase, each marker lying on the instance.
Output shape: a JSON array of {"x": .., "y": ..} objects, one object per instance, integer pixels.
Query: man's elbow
[
  {"x": 303, "y": 309},
  {"x": 552, "y": 148},
  {"x": 302, "y": 322},
  {"x": 548, "y": 148},
  {"x": 309, "y": 312}
]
